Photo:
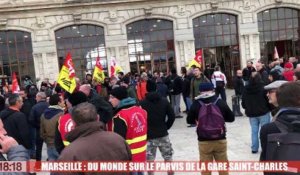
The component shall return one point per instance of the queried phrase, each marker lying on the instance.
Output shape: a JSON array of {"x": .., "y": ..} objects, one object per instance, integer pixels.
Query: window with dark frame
[
  {"x": 16, "y": 56},
  {"x": 279, "y": 24},
  {"x": 85, "y": 43},
  {"x": 151, "y": 45},
  {"x": 215, "y": 30}
]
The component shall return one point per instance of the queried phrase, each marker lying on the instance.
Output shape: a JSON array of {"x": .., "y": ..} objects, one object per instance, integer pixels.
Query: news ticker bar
[{"x": 157, "y": 166}]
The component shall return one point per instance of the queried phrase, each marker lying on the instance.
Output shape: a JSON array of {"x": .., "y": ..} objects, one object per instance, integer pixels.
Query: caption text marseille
[{"x": 166, "y": 166}]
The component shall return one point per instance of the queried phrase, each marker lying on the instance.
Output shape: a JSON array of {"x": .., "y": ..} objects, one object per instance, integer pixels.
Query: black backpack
[{"x": 284, "y": 146}]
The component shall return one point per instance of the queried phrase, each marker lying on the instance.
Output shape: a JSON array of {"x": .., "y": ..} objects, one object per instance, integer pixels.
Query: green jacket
[{"x": 195, "y": 82}]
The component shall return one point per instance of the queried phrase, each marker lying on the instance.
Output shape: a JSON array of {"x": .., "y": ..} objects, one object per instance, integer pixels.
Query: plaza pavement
[{"x": 185, "y": 145}]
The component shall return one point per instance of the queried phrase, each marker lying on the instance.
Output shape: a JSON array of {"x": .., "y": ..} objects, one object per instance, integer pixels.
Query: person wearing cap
[
  {"x": 125, "y": 81},
  {"x": 288, "y": 71},
  {"x": 160, "y": 119},
  {"x": 288, "y": 95},
  {"x": 272, "y": 88},
  {"x": 65, "y": 123},
  {"x": 257, "y": 108},
  {"x": 130, "y": 122},
  {"x": 210, "y": 149}
]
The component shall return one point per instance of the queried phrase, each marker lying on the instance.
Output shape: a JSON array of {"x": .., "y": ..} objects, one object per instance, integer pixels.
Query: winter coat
[
  {"x": 174, "y": 84},
  {"x": 131, "y": 92},
  {"x": 27, "y": 106},
  {"x": 16, "y": 153},
  {"x": 141, "y": 90},
  {"x": 286, "y": 117},
  {"x": 247, "y": 73},
  {"x": 195, "y": 82},
  {"x": 104, "y": 108},
  {"x": 16, "y": 126},
  {"x": 238, "y": 85},
  {"x": 48, "y": 124},
  {"x": 193, "y": 113},
  {"x": 162, "y": 89},
  {"x": 160, "y": 115},
  {"x": 255, "y": 101},
  {"x": 90, "y": 142},
  {"x": 186, "y": 85},
  {"x": 36, "y": 113}
]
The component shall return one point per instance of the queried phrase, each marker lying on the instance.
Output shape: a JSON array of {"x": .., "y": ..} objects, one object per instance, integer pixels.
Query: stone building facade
[{"x": 41, "y": 18}]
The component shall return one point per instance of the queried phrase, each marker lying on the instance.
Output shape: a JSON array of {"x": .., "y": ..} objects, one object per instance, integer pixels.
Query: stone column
[
  {"x": 45, "y": 56},
  {"x": 249, "y": 43},
  {"x": 117, "y": 47}
]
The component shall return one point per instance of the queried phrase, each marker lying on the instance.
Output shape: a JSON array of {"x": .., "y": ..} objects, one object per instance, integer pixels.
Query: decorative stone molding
[
  {"x": 77, "y": 17},
  {"x": 278, "y": 1},
  {"x": 181, "y": 10},
  {"x": 247, "y": 5},
  {"x": 113, "y": 16},
  {"x": 148, "y": 11},
  {"x": 214, "y": 5},
  {"x": 40, "y": 21},
  {"x": 3, "y": 23}
]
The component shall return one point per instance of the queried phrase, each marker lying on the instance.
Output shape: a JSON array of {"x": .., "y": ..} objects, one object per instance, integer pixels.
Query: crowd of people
[{"x": 127, "y": 118}]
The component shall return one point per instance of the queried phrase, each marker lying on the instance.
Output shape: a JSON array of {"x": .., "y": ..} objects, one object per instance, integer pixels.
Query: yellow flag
[
  {"x": 66, "y": 77},
  {"x": 98, "y": 74},
  {"x": 197, "y": 61}
]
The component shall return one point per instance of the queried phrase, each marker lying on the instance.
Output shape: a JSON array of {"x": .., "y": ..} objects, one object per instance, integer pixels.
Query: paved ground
[{"x": 185, "y": 143}]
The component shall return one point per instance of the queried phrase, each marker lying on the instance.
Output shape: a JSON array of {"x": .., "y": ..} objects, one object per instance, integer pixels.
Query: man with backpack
[
  {"x": 280, "y": 139},
  {"x": 210, "y": 113}
]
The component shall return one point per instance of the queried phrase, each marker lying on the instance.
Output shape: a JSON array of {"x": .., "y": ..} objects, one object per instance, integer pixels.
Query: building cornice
[{"x": 18, "y": 7}]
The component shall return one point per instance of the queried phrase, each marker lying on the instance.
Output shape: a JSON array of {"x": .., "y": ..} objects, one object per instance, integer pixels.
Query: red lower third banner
[{"x": 157, "y": 166}]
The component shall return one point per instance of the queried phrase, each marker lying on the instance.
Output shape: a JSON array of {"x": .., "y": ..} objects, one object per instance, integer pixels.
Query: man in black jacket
[
  {"x": 175, "y": 89},
  {"x": 160, "y": 119},
  {"x": 209, "y": 149},
  {"x": 288, "y": 96},
  {"x": 104, "y": 109},
  {"x": 15, "y": 122},
  {"x": 35, "y": 121}
]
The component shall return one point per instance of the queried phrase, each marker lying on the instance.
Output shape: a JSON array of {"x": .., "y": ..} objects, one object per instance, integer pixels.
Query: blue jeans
[
  {"x": 188, "y": 102},
  {"x": 52, "y": 153},
  {"x": 256, "y": 123}
]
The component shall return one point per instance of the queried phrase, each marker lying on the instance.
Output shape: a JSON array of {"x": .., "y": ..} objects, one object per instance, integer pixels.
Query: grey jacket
[{"x": 17, "y": 153}]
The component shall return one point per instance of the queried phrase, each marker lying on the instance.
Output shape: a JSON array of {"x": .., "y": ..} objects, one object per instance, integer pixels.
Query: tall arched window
[
  {"x": 86, "y": 43},
  {"x": 217, "y": 35},
  {"x": 278, "y": 27},
  {"x": 151, "y": 45},
  {"x": 15, "y": 55}
]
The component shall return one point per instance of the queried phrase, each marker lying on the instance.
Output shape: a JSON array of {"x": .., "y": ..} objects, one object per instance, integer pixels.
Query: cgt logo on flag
[
  {"x": 98, "y": 74},
  {"x": 67, "y": 75}
]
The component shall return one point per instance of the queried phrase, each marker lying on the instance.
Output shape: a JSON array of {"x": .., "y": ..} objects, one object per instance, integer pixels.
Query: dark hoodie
[
  {"x": 160, "y": 115},
  {"x": 16, "y": 126},
  {"x": 48, "y": 124},
  {"x": 286, "y": 117},
  {"x": 255, "y": 101}
]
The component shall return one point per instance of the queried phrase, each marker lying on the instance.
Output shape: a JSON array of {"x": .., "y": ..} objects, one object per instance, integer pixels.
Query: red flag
[
  {"x": 198, "y": 57},
  {"x": 69, "y": 65},
  {"x": 15, "y": 86}
]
